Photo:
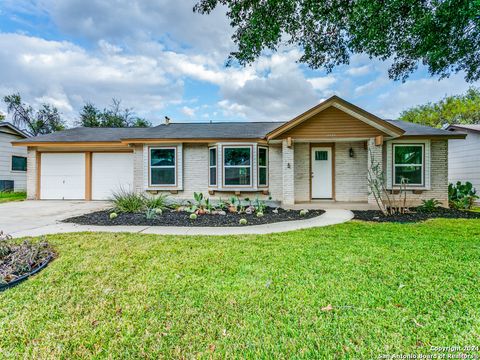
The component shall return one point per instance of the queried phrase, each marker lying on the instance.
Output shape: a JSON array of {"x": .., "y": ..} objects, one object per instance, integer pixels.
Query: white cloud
[
  {"x": 322, "y": 83},
  {"x": 359, "y": 70},
  {"x": 188, "y": 111}
]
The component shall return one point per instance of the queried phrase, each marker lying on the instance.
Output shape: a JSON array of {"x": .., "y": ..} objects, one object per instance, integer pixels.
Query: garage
[
  {"x": 111, "y": 172},
  {"x": 62, "y": 176},
  {"x": 85, "y": 175}
]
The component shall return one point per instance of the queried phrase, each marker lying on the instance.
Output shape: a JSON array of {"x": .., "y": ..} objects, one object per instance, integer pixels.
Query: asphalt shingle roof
[
  {"x": 474, "y": 127},
  {"x": 412, "y": 129}
]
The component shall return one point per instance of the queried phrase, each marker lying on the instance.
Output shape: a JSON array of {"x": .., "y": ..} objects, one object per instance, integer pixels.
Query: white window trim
[
  {"x": 246, "y": 146},
  {"x": 262, "y": 166},
  {"x": 427, "y": 163},
  {"x": 422, "y": 165},
  {"x": 210, "y": 185},
  {"x": 150, "y": 167}
]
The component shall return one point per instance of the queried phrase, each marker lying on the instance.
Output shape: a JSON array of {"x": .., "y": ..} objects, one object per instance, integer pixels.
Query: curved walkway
[{"x": 330, "y": 217}]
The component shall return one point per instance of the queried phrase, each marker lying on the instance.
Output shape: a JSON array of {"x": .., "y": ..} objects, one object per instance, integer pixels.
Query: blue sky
[{"x": 160, "y": 58}]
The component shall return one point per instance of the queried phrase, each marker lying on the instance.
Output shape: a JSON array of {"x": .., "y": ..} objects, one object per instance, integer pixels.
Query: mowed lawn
[
  {"x": 12, "y": 196},
  {"x": 355, "y": 290}
]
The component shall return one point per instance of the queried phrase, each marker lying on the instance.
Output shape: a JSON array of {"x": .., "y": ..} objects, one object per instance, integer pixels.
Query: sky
[{"x": 162, "y": 59}]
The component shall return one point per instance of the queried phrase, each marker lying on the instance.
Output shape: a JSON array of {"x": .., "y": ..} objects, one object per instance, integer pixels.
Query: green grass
[
  {"x": 393, "y": 288},
  {"x": 12, "y": 196}
]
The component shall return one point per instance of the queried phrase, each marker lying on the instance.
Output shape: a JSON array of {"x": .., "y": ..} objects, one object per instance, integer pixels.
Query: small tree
[
  {"x": 43, "y": 121},
  {"x": 113, "y": 116}
]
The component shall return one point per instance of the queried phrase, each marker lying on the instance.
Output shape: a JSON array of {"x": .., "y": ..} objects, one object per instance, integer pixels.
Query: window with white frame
[
  {"x": 408, "y": 164},
  {"x": 237, "y": 166},
  {"x": 163, "y": 170},
  {"x": 262, "y": 161},
  {"x": 212, "y": 166}
]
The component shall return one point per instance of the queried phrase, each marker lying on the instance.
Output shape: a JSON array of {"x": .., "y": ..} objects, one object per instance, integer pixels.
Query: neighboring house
[
  {"x": 323, "y": 153},
  {"x": 464, "y": 156},
  {"x": 13, "y": 160}
]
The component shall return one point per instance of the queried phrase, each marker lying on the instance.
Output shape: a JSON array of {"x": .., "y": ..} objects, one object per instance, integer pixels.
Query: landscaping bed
[
  {"x": 414, "y": 215},
  {"x": 182, "y": 218}
]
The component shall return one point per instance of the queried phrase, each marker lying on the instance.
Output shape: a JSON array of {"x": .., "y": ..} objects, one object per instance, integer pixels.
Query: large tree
[
  {"x": 457, "y": 109},
  {"x": 44, "y": 120},
  {"x": 444, "y": 35},
  {"x": 113, "y": 116}
]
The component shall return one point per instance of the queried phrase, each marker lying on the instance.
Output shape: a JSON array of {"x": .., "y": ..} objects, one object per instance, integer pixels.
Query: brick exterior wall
[
  {"x": 288, "y": 160},
  {"x": 351, "y": 173},
  {"x": 138, "y": 173},
  {"x": 302, "y": 172},
  {"x": 375, "y": 155},
  {"x": 31, "y": 173}
]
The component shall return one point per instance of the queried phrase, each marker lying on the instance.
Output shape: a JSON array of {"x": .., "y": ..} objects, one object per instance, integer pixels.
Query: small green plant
[
  {"x": 128, "y": 201},
  {"x": 193, "y": 216},
  {"x": 113, "y": 215},
  {"x": 156, "y": 202},
  {"x": 462, "y": 196},
  {"x": 303, "y": 212},
  {"x": 260, "y": 205},
  {"x": 243, "y": 221},
  {"x": 429, "y": 205},
  {"x": 158, "y": 211},
  {"x": 259, "y": 214},
  {"x": 150, "y": 214}
]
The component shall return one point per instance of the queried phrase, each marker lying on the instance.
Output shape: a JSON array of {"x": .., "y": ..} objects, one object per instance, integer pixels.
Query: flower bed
[
  {"x": 414, "y": 215},
  {"x": 18, "y": 261},
  {"x": 182, "y": 218}
]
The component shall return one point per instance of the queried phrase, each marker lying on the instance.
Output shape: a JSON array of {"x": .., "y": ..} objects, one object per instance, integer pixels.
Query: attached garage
[
  {"x": 62, "y": 176},
  {"x": 84, "y": 175},
  {"x": 111, "y": 172}
]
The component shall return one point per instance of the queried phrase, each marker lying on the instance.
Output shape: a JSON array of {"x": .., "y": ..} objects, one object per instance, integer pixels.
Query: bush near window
[{"x": 462, "y": 196}]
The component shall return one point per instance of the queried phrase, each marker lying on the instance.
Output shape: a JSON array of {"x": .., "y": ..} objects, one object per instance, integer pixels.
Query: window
[
  {"x": 163, "y": 170},
  {"x": 408, "y": 164},
  {"x": 212, "y": 166},
  {"x": 19, "y": 163},
  {"x": 262, "y": 166},
  {"x": 237, "y": 166},
  {"x": 321, "y": 155}
]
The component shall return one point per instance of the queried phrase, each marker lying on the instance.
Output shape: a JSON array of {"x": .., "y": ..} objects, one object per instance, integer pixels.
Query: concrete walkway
[{"x": 330, "y": 217}]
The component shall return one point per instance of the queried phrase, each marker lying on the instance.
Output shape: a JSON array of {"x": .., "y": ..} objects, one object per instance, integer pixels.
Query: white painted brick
[{"x": 351, "y": 173}]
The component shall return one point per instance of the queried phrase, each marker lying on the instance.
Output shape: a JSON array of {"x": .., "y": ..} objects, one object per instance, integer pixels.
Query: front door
[{"x": 322, "y": 173}]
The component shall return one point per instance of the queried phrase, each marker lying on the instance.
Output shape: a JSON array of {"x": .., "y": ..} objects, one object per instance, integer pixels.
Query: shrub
[
  {"x": 128, "y": 201},
  {"x": 461, "y": 196},
  {"x": 158, "y": 211},
  {"x": 429, "y": 205},
  {"x": 243, "y": 222},
  {"x": 259, "y": 214},
  {"x": 150, "y": 214},
  {"x": 303, "y": 212},
  {"x": 113, "y": 215},
  {"x": 193, "y": 216},
  {"x": 156, "y": 202}
]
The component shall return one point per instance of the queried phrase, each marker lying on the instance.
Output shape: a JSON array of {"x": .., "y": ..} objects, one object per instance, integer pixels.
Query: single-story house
[
  {"x": 324, "y": 153},
  {"x": 464, "y": 156},
  {"x": 13, "y": 160}
]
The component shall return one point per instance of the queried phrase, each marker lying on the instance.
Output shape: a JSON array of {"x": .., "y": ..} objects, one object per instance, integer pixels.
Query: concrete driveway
[{"x": 31, "y": 214}]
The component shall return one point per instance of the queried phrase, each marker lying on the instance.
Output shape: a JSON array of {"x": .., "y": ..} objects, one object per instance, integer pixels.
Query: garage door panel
[
  {"x": 110, "y": 173},
  {"x": 63, "y": 176}
]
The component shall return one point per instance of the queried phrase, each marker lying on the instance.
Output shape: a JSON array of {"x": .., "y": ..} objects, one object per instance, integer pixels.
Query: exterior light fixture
[{"x": 351, "y": 152}]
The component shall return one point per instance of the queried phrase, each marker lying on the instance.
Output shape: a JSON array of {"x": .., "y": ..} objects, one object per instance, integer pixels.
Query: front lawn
[
  {"x": 12, "y": 196},
  {"x": 354, "y": 290}
]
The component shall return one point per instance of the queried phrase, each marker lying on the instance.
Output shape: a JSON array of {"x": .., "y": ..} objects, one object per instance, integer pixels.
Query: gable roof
[
  {"x": 344, "y": 106},
  {"x": 5, "y": 124},
  {"x": 472, "y": 127},
  {"x": 182, "y": 131}
]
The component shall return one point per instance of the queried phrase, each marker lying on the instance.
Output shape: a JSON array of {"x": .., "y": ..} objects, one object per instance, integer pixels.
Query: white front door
[
  {"x": 111, "y": 172},
  {"x": 62, "y": 176},
  {"x": 322, "y": 173}
]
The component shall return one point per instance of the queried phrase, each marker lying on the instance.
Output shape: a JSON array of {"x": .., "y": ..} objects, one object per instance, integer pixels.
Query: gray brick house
[{"x": 321, "y": 154}]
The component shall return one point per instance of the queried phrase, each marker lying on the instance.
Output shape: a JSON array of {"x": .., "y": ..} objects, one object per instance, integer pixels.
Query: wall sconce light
[
  {"x": 288, "y": 166},
  {"x": 351, "y": 152}
]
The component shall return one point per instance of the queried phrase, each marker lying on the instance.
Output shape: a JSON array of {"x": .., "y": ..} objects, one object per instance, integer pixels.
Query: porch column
[
  {"x": 33, "y": 173},
  {"x": 375, "y": 156},
  {"x": 288, "y": 173}
]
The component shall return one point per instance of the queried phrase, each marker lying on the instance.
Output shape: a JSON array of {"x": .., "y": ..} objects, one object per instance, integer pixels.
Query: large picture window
[
  {"x": 19, "y": 163},
  {"x": 163, "y": 170},
  {"x": 212, "y": 166},
  {"x": 262, "y": 166},
  {"x": 237, "y": 166},
  {"x": 408, "y": 164}
]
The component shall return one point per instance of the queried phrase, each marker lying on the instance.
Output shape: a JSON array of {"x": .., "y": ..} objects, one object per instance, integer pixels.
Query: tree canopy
[
  {"x": 457, "y": 109},
  {"x": 114, "y": 116},
  {"x": 44, "y": 120},
  {"x": 443, "y": 35}
]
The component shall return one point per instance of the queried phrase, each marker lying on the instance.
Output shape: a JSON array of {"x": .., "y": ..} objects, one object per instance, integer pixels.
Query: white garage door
[
  {"x": 110, "y": 173},
  {"x": 62, "y": 176}
]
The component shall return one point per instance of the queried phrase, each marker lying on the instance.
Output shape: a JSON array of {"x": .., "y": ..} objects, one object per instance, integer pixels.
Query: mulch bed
[
  {"x": 414, "y": 215},
  {"x": 174, "y": 218}
]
